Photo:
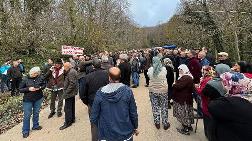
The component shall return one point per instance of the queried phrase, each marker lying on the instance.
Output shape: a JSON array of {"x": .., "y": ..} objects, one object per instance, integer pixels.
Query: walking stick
[
  {"x": 196, "y": 126},
  {"x": 197, "y": 120}
]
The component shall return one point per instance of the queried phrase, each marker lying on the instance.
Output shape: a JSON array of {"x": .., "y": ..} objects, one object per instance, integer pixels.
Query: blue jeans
[
  {"x": 31, "y": 108},
  {"x": 135, "y": 77},
  {"x": 4, "y": 82}
]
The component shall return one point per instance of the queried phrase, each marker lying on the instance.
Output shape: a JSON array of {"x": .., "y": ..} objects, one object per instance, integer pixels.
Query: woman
[
  {"x": 33, "y": 97},
  {"x": 170, "y": 78},
  {"x": 243, "y": 67},
  {"x": 158, "y": 93},
  {"x": 183, "y": 100},
  {"x": 208, "y": 75}
]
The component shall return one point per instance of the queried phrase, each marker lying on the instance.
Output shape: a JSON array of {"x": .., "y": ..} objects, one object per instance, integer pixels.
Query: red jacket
[
  {"x": 248, "y": 75},
  {"x": 203, "y": 97}
]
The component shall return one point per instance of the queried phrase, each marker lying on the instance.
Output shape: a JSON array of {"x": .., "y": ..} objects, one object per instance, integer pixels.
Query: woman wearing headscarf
[
  {"x": 170, "y": 78},
  {"x": 158, "y": 89},
  {"x": 208, "y": 74},
  {"x": 228, "y": 115},
  {"x": 33, "y": 97},
  {"x": 183, "y": 100}
]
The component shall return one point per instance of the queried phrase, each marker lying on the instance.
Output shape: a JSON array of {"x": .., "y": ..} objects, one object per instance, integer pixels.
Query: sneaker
[
  {"x": 26, "y": 135},
  {"x": 38, "y": 128},
  {"x": 51, "y": 115}
]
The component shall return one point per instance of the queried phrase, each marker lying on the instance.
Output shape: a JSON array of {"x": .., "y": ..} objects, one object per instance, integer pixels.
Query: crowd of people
[{"x": 175, "y": 79}]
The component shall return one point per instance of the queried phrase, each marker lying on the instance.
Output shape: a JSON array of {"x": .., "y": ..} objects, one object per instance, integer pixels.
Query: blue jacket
[
  {"x": 4, "y": 68},
  {"x": 204, "y": 62},
  {"x": 114, "y": 112}
]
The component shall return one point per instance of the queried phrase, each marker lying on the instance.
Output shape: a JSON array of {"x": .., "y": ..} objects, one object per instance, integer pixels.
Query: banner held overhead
[{"x": 71, "y": 50}]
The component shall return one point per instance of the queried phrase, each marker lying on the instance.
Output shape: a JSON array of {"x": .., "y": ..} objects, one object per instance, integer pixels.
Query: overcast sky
[{"x": 152, "y": 12}]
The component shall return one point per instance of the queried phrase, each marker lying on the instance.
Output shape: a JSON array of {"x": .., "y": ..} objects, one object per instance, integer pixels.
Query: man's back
[
  {"x": 93, "y": 82},
  {"x": 114, "y": 112},
  {"x": 125, "y": 73}
]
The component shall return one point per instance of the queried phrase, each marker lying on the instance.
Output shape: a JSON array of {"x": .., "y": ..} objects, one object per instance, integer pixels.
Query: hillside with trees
[{"x": 221, "y": 25}]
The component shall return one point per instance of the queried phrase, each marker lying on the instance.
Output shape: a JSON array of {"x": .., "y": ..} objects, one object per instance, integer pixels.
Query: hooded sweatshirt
[{"x": 114, "y": 112}]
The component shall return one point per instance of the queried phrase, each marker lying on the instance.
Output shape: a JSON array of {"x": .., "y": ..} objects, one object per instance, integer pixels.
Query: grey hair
[
  {"x": 124, "y": 57},
  {"x": 34, "y": 70},
  {"x": 104, "y": 58}
]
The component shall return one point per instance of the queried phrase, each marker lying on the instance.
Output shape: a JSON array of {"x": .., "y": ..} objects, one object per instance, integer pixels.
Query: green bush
[{"x": 11, "y": 111}]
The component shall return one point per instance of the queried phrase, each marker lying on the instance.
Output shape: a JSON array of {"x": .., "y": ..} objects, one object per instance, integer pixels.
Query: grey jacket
[{"x": 70, "y": 84}]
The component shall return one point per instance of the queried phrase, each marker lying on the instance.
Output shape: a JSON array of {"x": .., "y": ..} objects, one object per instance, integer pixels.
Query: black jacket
[
  {"x": 170, "y": 76},
  {"x": 125, "y": 73},
  {"x": 91, "y": 83},
  {"x": 37, "y": 82},
  {"x": 230, "y": 119},
  {"x": 14, "y": 73}
]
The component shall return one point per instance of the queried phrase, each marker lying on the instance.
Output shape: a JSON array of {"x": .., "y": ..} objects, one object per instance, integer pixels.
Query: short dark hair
[
  {"x": 114, "y": 77},
  {"x": 193, "y": 52},
  {"x": 97, "y": 63}
]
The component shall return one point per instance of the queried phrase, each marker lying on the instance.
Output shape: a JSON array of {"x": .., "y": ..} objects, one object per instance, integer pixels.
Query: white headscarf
[{"x": 185, "y": 70}]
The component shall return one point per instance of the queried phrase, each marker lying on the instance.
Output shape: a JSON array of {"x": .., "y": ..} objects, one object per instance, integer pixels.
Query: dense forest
[{"x": 39, "y": 28}]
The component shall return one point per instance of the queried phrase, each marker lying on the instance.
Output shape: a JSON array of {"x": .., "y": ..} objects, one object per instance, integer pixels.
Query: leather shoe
[
  {"x": 51, "y": 115},
  {"x": 65, "y": 126},
  {"x": 157, "y": 126},
  {"x": 38, "y": 128},
  {"x": 166, "y": 127},
  {"x": 26, "y": 135},
  {"x": 59, "y": 114}
]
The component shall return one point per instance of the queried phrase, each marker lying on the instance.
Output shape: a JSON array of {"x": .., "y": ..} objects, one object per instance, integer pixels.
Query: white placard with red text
[{"x": 71, "y": 50}]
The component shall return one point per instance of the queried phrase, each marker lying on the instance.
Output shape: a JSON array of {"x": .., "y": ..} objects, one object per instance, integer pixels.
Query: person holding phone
[{"x": 32, "y": 87}]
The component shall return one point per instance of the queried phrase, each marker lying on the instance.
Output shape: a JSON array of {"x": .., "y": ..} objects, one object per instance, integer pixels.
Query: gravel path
[{"x": 80, "y": 131}]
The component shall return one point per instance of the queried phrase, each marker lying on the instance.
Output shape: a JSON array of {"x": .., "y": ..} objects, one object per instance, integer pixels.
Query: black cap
[{"x": 58, "y": 61}]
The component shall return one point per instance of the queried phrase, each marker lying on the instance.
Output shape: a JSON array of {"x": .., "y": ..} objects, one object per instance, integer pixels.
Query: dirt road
[{"x": 80, "y": 131}]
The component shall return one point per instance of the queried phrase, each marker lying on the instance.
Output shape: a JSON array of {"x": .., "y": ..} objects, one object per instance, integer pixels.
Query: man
[
  {"x": 48, "y": 65},
  {"x": 203, "y": 59},
  {"x": 135, "y": 69},
  {"x": 223, "y": 59},
  {"x": 106, "y": 65},
  {"x": 146, "y": 66},
  {"x": 74, "y": 60},
  {"x": 125, "y": 69},
  {"x": 55, "y": 77},
  {"x": 4, "y": 78},
  {"x": 114, "y": 111},
  {"x": 210, "y": 57},
  {"x": 70, "y": 90},
  {"x": 21, "y": 66},
  {"x": 91, "y": 84},
  {"x": 15, "y": 76},
  {"x": 194, "y": 66}
]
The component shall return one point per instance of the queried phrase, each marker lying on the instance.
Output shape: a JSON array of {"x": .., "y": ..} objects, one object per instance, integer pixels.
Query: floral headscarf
[
  {"x": 236, "y": 83},
  {"x": 208, "y": 71}
]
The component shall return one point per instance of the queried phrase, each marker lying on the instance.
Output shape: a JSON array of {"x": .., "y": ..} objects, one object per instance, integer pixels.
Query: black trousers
[
  {"x": 15, "y": 85},
  {"x": 94, "y": 130},
  {"x": 69, "y": 110},
  {"x": 147, "y": 79}
]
